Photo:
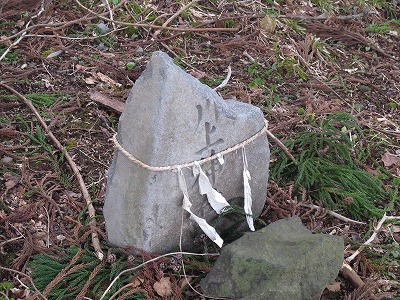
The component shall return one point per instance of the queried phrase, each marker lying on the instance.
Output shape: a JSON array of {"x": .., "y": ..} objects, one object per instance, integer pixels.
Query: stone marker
[
  {"x": 282, "y": 261},
  {"x": 171, "y": 118}
]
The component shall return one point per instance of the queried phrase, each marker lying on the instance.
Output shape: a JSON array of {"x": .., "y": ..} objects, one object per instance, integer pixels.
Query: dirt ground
[{"x": 298, "y": 61}]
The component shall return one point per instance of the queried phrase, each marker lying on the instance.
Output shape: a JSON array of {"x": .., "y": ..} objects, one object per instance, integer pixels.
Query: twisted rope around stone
[{"x": 191, "y": 164}]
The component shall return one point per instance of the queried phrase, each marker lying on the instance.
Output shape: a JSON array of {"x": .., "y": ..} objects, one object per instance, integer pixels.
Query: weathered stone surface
[
  {"x": 282, "y": 261},
  {"x": 171, "y": 118}
]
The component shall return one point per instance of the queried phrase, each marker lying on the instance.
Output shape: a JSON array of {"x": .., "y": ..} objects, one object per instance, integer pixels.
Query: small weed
[
  {"x": 383, "y": 28},
  {"x": 130, "y": 65},
  {"x": 186, "y": 15},
  {"x": 11, "y": 56},
  {"x": 134, "y": 32},
  {"x": 47, "y": 52},
  {"x": 294, "y": 25},
  {"x": 108, "y": 40},
  {"x": 65, "y": 179},
  {"x": 55, "y": 158},
  {"x": 266, "y": 77},
  {"x": 215, "y": 81},
  {"x": 5, "y": 288},
  {"x": 229, "y": 23},
  {"x": 4, "y": 120},
  {"x": 324, "y": 5},
  {"x": 40, "y": 100}
]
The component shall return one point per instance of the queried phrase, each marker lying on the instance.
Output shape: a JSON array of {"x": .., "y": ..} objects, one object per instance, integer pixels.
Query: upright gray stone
[
  {"x": 171, "y": 118},
  {"x": 282, "y": 261}
]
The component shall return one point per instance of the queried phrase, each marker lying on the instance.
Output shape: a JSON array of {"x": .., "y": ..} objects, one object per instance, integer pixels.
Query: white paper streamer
[
  {"x": 207, "y": 229},
  {"x": 247, "y": 192},
  {"x": 220, "y": 158},
  {"x": 216, "y": 200}
]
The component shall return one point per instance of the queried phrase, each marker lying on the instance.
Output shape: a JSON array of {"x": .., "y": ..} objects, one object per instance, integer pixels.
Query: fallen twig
[
  {"x": 332, "y": 90},
  {"x": 326, "y": 16},
  {"x": 374, "y": 234},
  {"x": 333, "y": 214},
  {"x": 395, "y": 134},
  {"x": 183, "y": 8},
  {"x": 85, "y": 192},
  {"x": 282, "y": 146},
  {"x": 351, "y": 275},
  {"x": 226, "y": 80},
  {"x": 111, "y": 15}
]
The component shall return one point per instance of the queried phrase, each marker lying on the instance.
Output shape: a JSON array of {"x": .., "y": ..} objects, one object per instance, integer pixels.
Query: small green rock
[
  {"x": 130, "y": 65},
  {"x": 364, "y": 88},
  {"x": 282, "y": 261}
]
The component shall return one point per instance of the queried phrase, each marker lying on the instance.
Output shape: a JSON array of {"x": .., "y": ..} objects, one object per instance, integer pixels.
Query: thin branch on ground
[
  {"x": 326, "y": 16},
  {"x": 226, "y": 80},
  {"x": 333, "y": 91},
  {"x": 373, "y": 236},
  {"x": 131, "y": 284},
  {"x": 12, "y": 240},
  {"x": 111, "y": 14},
  {"x": 282, "y": 146},
  {"x": 149, "y": 261},
  {"x": 175, "y": 15},
  {"x": 394, "y": 134},
  {"x": 76, "y": 38},
  {"x": 333, "y": 214},
  {"x": 351, "y": 275},
  {"x": 85, "y": 192},
  {"x": 26, "y": 276}
]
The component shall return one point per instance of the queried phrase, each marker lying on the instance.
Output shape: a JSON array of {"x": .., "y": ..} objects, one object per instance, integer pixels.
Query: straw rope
[{"x": 191, "y": 164}]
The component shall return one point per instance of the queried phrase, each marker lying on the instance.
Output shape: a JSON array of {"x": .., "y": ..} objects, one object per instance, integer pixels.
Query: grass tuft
[{"x": 330, "y": 158}]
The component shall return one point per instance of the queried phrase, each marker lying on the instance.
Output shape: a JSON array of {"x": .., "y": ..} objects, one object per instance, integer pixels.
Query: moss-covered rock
[{"x": 281, "y": 261}]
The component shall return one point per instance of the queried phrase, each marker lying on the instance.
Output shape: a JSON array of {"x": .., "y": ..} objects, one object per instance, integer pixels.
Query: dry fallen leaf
[
  {"x": 11, "y": 181},
  {"x": 79, "y": 67},
  {"x": 40, "y": 239},
  {"x": 390, "y": 159},
  {"x": 333, "y": 287},
  {"x": 19, "y": 293},
  {"x": 185, "y": 281},
  {"x": 90, "y": 80},
  {"x": 163, "y": 287},
  {"x": 268, "y": 24},
  {"x": 137, "y": 282},
  {"x": 107, "y": 79},
  {"x": 197, "y": 74}
]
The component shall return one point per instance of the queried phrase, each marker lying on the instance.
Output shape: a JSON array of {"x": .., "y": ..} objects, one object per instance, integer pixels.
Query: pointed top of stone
[{"x": 170, "y": 108}]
